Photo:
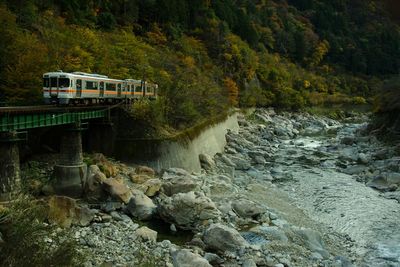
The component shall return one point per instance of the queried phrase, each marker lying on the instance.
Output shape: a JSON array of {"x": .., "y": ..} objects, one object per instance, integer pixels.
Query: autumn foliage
[{"x": 205, "y": 55}]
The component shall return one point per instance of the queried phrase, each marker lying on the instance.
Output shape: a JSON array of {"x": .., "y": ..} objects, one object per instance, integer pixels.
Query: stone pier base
[
  {"x": 70, "y": 180},
  {"x": 10, "y": 181}
]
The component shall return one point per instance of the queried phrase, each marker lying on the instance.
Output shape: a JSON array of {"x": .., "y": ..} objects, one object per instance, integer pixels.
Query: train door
[
  {"x": 78, "y": 88},
  {"x": 101, "y": 89},
  {"x": 53, "y": 88},
  {"x": 119, "y": 90},
  {"x": 143, "y": 86}
]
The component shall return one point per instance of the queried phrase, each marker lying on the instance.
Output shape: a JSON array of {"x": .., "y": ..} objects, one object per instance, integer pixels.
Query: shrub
[{"x": 29, "y": 241}]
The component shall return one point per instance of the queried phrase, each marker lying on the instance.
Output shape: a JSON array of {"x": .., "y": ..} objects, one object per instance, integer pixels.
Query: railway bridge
[{"x": 15, "y": 126}]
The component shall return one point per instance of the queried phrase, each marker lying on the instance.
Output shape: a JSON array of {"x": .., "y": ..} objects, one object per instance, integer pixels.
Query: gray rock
[
  {"x": 313, "y": 241},
  {"x": 222, "y": 238},
  {"x": 84, "y": 216},
  {"x": 392, "y": 195},
  {"x": 206, "y": 161},
  {"x": 141, "y": 206},
  {"x": 213, "y": 259},
  {"x": 247, "y": 208},
  {"x": 381, "y": 154},
  {"x": 249, "y": 263},
  {"x": 221, "y": 188},
  {"x": 179, "y": 182},
  {"x": 382, "y": 183},
  {"x": 186, "y": 258},
  {"x": 240, "y": 163},
  {"x": 146, "y": 234},
  {"x": 197, "y": 242},
  {"x": 355, "y": 169},
  {"x": 188, "y": 210},
  {"x": 362, "y": 158},
  {"x": 348, "y": 140},
  {"x": 259, "y": 160},
  {"x": 110, "y": 206},
  {"x": 227, "y": 161},
  {"x": 116, "y": 216},
  {"x": 270, "y": 232}
]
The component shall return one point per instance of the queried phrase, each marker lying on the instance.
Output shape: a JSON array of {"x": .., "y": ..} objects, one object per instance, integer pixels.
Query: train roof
[{"x": 83, "y": 75}]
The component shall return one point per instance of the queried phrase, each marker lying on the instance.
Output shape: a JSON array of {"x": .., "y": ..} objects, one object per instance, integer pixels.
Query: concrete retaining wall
[{"x": 163, "y": 154}]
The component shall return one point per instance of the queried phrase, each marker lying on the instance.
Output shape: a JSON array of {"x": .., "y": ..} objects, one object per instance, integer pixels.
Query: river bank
[{"x": 288, "y": 190}]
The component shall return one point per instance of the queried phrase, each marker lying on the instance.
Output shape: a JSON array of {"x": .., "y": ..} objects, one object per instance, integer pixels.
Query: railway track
[{"x": 49, "y": 108}]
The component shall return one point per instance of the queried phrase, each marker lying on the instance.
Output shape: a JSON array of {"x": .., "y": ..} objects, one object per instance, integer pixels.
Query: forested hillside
[{"x": 206, "y": 55}]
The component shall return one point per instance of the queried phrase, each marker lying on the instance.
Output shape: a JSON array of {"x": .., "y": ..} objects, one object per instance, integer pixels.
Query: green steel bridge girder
[{"x": 13, "y": 121}]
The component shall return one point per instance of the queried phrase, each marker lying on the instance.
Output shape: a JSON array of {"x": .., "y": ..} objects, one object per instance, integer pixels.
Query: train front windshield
[{"x": 55, "y": 82}]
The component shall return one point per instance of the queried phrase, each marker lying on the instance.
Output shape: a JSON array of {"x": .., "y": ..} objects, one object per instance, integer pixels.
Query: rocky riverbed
[{"x": 289, "y": 190}]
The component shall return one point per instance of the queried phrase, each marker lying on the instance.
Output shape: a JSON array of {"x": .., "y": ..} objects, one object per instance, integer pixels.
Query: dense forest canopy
[{"x": 206, "y": 55}]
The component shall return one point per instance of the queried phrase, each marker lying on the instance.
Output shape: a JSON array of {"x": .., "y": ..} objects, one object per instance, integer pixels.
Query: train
[{"x": 66, "y": 88}]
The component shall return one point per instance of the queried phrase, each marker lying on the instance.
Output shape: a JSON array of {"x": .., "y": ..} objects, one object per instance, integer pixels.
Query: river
[{"x": 336, "y": 199}]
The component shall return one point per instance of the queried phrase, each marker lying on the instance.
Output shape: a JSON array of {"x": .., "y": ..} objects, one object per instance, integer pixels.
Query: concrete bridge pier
[
  {"x": 70, "y": 172},
  {"x": 10, "y": 180}
]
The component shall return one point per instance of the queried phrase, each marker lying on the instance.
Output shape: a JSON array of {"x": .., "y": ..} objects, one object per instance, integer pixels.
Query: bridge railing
[{"x": 15, "y": 121}]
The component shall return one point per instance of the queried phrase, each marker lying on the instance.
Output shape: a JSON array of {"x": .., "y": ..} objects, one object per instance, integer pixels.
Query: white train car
[{"x": 79, "y": 87}]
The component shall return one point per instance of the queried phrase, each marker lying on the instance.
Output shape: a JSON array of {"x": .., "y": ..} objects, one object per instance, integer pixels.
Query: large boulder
[
  {"x": 117, "y": 189},
  {"x": 385, "y": 182},
  {"x": 186, "y": 258},
  {"x": 150, "y": 187},
  {"x": 188, "y": 210},
  {"x": 178, "y": 181},
  {"x": 139, "y": 178},
  {"x": 222, "y": 238},
  {"x": 106, "y": 166},
  {"x": 94, "y": 181},
  {"x": 64, "y": 212},
  {"x": 247, "y": 208},
  {"x": 206, "y": 161},
  {"x": 145, "y": 170},
  {"x": 141, "y": 206},
  {"x": 219, "y": 188},
  {"x": 146, "y": 234}
]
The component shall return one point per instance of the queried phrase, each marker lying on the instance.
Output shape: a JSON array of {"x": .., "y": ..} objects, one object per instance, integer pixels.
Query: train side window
[
  {"x": 119, "y": 87},
  {"x": 110, "y": 86},
  {"x": 138, "y": 88},
  {"x": 63, "y": 82},
  {"x": 91, "y": 85},
  {"x": 101, "y": 86}
]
